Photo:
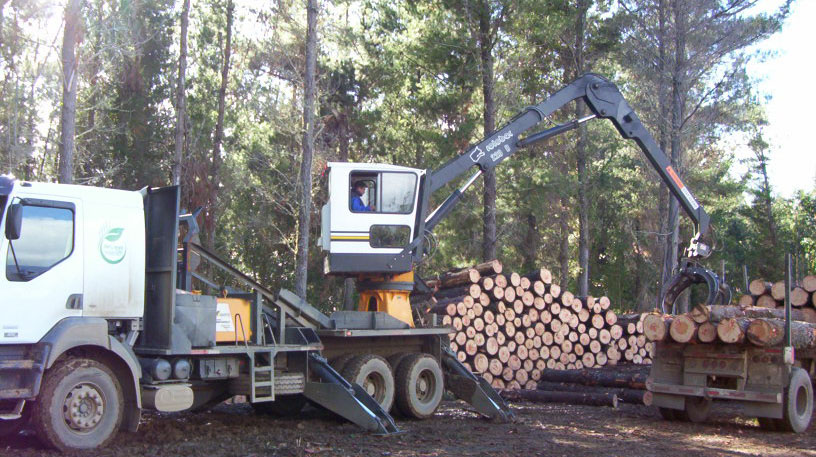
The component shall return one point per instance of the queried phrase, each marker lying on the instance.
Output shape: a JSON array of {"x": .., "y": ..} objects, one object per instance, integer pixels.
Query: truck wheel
[
  {"x": 373, "y": 374},
  {"x": 338, "y": 363},
  {"x": 798, "y": 402},
  {"x": 283, "y": 406},
  {"x": 420, "y": 386},
  {"x": 697, "y": 409},
  {"x": 395, "y": 359},
  {"x": 80, "y": 405}
]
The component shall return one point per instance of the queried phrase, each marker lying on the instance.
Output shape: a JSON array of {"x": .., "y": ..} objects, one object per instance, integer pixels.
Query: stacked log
[
  {"x": 763, "y": 327},
  {"x": 606, "y": 386},
  {"x": 765, "y": 294},
  {"x": 510, "y": 327}
]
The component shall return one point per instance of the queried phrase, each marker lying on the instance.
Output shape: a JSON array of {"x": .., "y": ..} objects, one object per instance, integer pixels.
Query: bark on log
[
  {"x": 633, "y": 396},
  {"x": 683, "y": 329},
  {"x": 489, "y": 268},
  {"x": 464, "y": 276},
  {"x": 634, "y": 379},
  {"x": 771, "y": 332},
  {"x": 572, "y": 398},
  {"x": 720, "y": 312}
]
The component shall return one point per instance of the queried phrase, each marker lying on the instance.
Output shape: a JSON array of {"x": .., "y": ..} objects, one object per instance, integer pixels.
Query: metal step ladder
[{"x": 262, "y": 376}]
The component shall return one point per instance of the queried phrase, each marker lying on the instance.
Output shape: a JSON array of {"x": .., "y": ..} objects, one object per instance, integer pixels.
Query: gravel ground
[{"x": 540, "y": 430}]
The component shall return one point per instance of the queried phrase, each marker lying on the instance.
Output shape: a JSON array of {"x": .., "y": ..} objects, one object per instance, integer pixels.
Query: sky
[{"x": 785, "y": 78}]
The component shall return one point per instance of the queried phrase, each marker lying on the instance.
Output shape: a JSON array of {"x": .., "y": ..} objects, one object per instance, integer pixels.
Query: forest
[{"x": 243, "y": 103}]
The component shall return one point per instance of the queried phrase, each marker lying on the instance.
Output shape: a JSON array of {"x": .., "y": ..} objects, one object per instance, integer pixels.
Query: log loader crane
[{"x": 381, "y": 248}]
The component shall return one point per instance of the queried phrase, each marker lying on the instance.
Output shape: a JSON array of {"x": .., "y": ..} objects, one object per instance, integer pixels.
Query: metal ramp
[
  {"x": 347, "y": 400},
  {"x": 473, "y": 389}
]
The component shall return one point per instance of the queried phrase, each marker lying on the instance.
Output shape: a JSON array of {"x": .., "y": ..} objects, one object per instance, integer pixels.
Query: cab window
[
  {"x": 386, "y": 192},
  {"x": 46, "y": 239}
]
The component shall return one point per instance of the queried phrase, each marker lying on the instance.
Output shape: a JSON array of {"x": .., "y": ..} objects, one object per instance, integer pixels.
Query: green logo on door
[{"x": 112, "y": 246}]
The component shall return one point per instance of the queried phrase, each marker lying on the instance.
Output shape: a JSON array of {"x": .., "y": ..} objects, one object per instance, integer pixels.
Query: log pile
[
  {"x": 608, "y": 386},
  {"x": 760, "y": 326},
  {"x": 510, "y": 327},
  {"x": 765, "y": 294}
]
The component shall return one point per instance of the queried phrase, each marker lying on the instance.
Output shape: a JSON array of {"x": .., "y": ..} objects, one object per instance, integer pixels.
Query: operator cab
[{"x": 370, "y": 238}]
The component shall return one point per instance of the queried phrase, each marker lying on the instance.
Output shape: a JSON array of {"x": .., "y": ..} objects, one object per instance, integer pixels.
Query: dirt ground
[{"x": 540, "y": 430}]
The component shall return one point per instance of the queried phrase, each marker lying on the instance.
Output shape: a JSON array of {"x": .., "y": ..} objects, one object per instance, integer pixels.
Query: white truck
[{"x": 102, "y": 320}]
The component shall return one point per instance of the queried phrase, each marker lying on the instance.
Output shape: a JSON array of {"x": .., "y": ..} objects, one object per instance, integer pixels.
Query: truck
[
  {"x": 772, "y": 384},
  {"x": 130, "y": 312}
]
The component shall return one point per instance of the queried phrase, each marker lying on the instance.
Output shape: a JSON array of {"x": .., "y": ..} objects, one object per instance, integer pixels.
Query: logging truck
[
  {"x": 106, "y": 312},
  {"x": 756, "y": 359}
]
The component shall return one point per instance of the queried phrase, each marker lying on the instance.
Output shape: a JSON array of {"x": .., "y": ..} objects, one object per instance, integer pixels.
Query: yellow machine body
[
  {"x": 233, "y": 320},
  {"x": 388, "y": 294}
]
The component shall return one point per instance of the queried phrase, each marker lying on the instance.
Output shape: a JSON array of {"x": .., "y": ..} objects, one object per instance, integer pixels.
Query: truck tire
[
  {"x": 797, "y": 407},
  {"x": 697, "y": 409},
  {"x": 338, "y": 363},
  {"x": 283, "y": 406},
  {"x": 79, "y": 407},
  {"x": 420, "y": 386},
  {"x": 395, "y": 359},
  {"x": 374, "y": 375}
]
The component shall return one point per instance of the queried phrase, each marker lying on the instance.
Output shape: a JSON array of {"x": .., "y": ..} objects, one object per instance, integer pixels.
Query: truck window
[
  {"x": 46, "y": 239},
  {"x": 386, "y": 192}
]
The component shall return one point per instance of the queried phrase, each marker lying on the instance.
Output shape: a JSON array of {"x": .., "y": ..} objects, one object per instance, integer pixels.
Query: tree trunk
[
  {"x": 563, "y": 247},
  {"x": 598, "y": 377},
  {"x": 181, "y": 98},
  {"x": 581, "y": 157},
  {"x": 71, "y": 36},
  {"x": 305, "y": 181},
  {"x": 486, "y": 53},
  {"x": 219, "y": 129}
]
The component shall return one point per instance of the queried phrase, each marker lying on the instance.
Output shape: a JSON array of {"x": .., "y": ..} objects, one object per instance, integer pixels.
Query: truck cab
[{"x": 368, "y": 240}]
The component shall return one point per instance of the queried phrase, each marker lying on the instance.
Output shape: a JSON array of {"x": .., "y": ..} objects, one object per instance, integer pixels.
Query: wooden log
[
  {"x": 460, "y": 277},
  {"x": 683, "y": 329},
  {"x": 633, "y": 396},
  {"x": 778, "y": 290},
  {"x": 509, "y": 294},
  {"x": 758, "y": 287},
  {"x": 605, "y": 303},
  {"x": 700, "y": 314},
  {"x": 489, "y": 268},
  {"x": 525, "y": 283},
  {"x": 771, "y": 332},
  {"x": 809, "y": 283},
  {"x": 555, "y": 291},
  {"x": 707, "y": 332},
  {"x": 720, "y": 312},
  {"x": 539, "y": 288},
  {"x": 732, "y": 330},
  {"x": 746, "y": 300},
  {"x": 597, "y": 321},
  {"x": 497, "y": 293},
  {"x": 656, "y": 326},
  {"x": 571, "y": 398},
  {"x": 487, "y": 283},
  {"x": 499, "y": 280},
  {"x": 542, "y": 275},
  {"x": 766, "y": 301},
  {"x": 495, "y": 367},
  {"x": 480, "y": 363},
  {"x": 473, "y": 290},
  {"x": 799, "y": 297},
  {"x": 610, "y": 318}
]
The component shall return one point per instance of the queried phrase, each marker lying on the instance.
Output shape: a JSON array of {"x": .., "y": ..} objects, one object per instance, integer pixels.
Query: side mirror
[{"x": 14, "y": 221}]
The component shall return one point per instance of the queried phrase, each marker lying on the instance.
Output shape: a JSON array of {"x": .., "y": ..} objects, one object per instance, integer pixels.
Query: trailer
[{"x": 772, "y": 384}]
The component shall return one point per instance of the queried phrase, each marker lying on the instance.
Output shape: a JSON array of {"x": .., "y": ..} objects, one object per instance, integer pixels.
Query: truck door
[{"x": 42, "y": 280}]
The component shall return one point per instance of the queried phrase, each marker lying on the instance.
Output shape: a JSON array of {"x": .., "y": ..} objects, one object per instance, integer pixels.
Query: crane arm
[{"x": 605, "y": 101}]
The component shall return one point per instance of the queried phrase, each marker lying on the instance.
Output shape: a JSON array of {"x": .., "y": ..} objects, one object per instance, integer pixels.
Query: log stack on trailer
[
  {"x": 511, "y": 327},
  {"x": 766, "y": 294}
]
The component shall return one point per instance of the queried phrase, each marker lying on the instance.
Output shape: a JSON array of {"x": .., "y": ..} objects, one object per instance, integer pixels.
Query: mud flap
[
  {"x": 691, "y": 273},
  {"x": 473, "y": 389},
  {"x": 347, "y": 400}
]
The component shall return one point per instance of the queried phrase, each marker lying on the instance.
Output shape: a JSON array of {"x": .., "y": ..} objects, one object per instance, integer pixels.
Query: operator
[{"x": 356, "y": 202}]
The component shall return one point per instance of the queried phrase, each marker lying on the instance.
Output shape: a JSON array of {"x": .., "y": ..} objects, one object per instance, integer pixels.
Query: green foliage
[{"x": 399, "y": 82}]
